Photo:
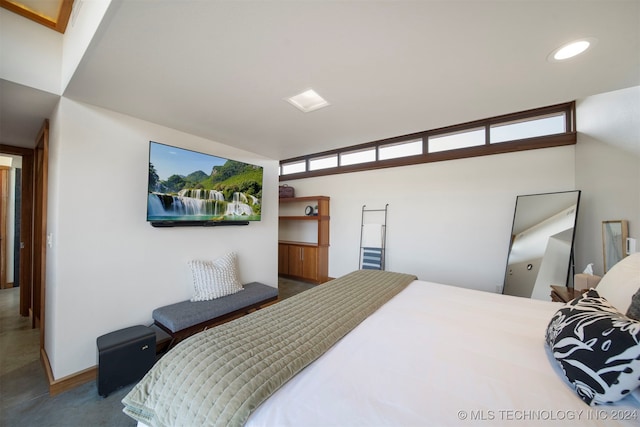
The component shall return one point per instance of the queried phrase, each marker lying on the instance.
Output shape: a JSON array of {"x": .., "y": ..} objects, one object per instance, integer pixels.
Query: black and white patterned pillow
[{"x": 597, "y": 347}]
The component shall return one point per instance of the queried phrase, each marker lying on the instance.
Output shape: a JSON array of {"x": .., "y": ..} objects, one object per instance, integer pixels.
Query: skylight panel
[{"x": 308, "y": 101}]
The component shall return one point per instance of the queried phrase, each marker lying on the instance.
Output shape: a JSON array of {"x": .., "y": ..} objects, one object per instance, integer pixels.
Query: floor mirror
[
  {"x": 541, "y": 244},
  {"x": 614, "y": 237}
]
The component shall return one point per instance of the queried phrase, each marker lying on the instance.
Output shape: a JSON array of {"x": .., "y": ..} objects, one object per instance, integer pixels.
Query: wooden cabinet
[
  {"x": 283, "y": 258},
  {"x": 298, "y": 260},
  {"x": 306, "y": 260}
]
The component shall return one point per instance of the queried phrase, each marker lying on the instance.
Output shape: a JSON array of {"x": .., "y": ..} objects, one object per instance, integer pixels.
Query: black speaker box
[{"x": 124, "y": 357}]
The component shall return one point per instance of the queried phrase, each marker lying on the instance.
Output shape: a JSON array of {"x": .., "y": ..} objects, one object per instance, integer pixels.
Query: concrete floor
[
  {"x": 24, "y": 390},
  {"x": 24, "y": 397}
]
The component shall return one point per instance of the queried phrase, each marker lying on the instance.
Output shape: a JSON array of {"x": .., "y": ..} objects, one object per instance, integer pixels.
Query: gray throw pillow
[{"x": 634, "y": 308}]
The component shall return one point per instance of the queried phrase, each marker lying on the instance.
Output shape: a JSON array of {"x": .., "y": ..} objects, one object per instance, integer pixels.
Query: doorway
[
  {"x": 18, "y": 213},
  {"x": 10, "y": 183},
  {"x": 22, "y": 312},
  {"x": 20, "y": 340}
]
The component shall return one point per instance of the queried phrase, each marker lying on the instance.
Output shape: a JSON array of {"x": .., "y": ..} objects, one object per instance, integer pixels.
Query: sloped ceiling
[
  {"x": 22, "y": 111},
  {"x": 221, "y": 69}
]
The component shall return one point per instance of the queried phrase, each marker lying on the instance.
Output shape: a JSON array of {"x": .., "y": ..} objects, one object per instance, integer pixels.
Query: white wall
[
  {"x": 30, "y": 53},
  {"x": 107, "y": 267},
  {"x": 448, "y": 222},
  {"x": 609, "y": 176}
]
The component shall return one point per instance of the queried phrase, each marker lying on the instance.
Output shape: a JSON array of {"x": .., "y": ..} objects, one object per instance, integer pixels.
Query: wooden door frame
[
  {"x": 41, "y": 172},
  {"x": 26, "y": 225},
  {"x": 4, "y": 194}
]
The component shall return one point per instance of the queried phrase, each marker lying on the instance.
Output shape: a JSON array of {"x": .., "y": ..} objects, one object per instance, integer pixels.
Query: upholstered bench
[{"x": 186, "y": 318}]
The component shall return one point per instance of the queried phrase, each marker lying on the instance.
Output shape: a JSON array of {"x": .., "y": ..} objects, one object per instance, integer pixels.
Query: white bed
[{"x": 440, "y": 355}]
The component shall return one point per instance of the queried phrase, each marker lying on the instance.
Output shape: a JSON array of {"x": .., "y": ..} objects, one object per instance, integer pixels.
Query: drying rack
[{"x": 372, "y": 256}]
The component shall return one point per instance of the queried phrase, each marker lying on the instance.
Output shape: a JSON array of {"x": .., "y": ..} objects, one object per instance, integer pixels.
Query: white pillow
[
  {"x": 215, "y": 279},
  {"x": 620, "y": 283}
]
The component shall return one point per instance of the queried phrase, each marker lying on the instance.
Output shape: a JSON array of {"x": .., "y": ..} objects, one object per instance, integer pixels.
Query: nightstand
[{"x": 564, "y": 294}]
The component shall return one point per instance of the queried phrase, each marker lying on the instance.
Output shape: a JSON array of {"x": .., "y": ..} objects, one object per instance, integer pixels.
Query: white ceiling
[
  {"x": 221, "y": 69},
  {"x": 22, "y": 111}
]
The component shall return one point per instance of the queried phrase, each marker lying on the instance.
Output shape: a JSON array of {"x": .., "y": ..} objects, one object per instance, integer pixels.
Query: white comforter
[{"x": 437, "y": 355}]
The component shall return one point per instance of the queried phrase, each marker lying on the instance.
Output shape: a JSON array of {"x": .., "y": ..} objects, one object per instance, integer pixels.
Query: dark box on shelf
[
  {"x": 124, "y": 357},
  {"x": 285, "y": 192}
]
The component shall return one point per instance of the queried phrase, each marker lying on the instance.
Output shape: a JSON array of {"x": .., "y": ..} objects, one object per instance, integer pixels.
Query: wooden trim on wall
[
  {"x": 4, "y": 195},
  {"x": 26, "y": 234},
  {"x": 41, "y": 169},
  {"x": 70, "y": 381},
  {"x": 58, "y": 24}
]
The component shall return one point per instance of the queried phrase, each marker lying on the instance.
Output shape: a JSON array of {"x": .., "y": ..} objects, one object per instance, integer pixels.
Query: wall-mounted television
[{"x": 191, "y": 188}]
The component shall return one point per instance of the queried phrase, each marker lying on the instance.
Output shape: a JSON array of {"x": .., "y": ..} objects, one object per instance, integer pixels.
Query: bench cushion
[{"x": 185, "y": 314}]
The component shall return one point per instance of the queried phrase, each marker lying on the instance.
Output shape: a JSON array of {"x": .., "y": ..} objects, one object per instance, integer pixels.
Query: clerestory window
[{"x": 539, "y": 128}]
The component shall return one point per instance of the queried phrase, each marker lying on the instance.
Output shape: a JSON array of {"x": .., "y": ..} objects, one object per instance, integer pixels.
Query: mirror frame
[
  {"x": 516, "y": 228},
  {"x": 608, "y": 241}
]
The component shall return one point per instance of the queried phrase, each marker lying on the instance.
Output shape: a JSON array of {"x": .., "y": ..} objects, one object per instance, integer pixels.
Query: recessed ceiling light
[
  {"x": 308, "y": 100},
  {"x": 572, "y": 49}
]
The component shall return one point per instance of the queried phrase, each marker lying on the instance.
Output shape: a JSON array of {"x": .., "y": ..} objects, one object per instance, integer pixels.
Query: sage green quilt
[{"x": 220, "y": 376}]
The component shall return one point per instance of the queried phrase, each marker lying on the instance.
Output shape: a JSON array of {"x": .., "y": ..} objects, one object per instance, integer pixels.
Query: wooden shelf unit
[{"x": 308, "y": 261}]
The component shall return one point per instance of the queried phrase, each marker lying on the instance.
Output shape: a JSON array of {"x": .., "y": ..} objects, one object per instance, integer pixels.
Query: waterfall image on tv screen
[{"x": 186, "y": 185}]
